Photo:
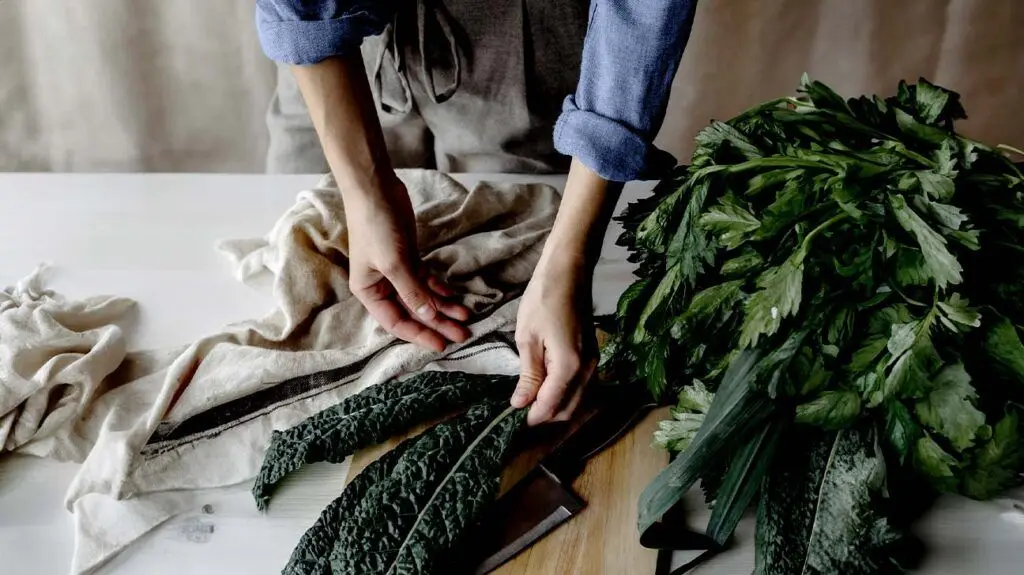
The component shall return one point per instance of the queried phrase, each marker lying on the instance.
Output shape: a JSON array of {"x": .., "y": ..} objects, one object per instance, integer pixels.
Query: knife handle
[{"x": 614, "y": 417}]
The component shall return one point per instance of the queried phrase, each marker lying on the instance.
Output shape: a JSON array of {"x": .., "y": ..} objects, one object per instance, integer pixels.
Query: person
[{"x": 476, "y": 86}]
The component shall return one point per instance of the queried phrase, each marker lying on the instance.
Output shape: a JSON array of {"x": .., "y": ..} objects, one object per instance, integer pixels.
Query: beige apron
[{"x": 460, "y": 86}]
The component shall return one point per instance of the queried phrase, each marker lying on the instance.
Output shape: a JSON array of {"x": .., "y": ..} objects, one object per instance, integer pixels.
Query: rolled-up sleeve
[
  {"x": 630, "y": 56},
  {"x": 307, "y": 31}
]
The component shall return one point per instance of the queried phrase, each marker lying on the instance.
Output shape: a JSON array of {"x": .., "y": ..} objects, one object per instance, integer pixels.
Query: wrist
[
  {"x": 577, "y": 236},
  {"x": 568, "y": 259},
  {"x": 373, "y": 193}
]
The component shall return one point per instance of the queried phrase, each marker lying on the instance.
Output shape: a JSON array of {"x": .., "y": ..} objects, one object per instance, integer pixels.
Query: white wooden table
[{"x": 150, "y": 237}]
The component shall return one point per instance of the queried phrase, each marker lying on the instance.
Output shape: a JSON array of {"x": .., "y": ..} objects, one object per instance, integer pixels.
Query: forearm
[
  {"x": 578, "y": 233},
  {"x": 341, "y": 106}
]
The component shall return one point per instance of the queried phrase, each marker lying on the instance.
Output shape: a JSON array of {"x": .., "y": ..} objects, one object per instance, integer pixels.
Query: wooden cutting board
[{"x": 601, "y": 539}]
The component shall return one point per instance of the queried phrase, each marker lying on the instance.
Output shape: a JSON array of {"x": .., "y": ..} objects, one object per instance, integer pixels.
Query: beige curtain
[
  {"x": 181, "y": 85},
  {"x": 746, "y": 51},
  {"x": 132, "y": 85}
]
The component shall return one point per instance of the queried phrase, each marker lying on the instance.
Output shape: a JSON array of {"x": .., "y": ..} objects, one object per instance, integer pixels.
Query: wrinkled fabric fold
[{"x": 55, "y": 354}]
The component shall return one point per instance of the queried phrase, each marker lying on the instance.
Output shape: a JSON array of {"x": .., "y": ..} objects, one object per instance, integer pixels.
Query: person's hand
[
  {"x": 556, "y": 340},
  {"x": 386, "y": 275}
]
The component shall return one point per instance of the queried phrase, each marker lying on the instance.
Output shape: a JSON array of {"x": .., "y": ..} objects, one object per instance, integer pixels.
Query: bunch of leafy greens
[
  {"x": 841, "y": 278},
  {"x": 407, "y": 510}
]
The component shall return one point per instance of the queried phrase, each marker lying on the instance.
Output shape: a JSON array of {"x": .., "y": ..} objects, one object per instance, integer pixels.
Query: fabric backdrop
[{"x": 181, "y": 85}]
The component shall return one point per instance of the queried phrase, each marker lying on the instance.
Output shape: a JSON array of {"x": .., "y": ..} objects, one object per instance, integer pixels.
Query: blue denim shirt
[{"x": 630, "y": 56}]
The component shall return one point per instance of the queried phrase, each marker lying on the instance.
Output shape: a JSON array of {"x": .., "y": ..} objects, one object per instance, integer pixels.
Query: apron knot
[{"x": 433, "y": 28}]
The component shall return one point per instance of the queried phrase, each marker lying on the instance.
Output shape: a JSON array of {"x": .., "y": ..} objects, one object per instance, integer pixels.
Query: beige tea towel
[{"x": 175, "y": 424}]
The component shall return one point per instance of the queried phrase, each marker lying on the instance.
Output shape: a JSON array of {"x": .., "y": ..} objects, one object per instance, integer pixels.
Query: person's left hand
[{"x": 557, "y": 341}]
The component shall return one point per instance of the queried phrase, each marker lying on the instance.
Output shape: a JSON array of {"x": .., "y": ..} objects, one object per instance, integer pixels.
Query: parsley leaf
[
  {"x": 930, "y": 101},
  {"x": 1003, "y": 346},
  {"x": 944, "y": 268},
  {"x": 731, "y": 222},
  {"x": 912, "y": 357},
  {"x": 900, "y": 428},
  {"x": 948, "y": 408},
  {"x": 957, "y": 309},
  {"x": 861, "y": 250},
  {"x": 937, "y": 465},
  {"x": 779, "y": 297},
  {"x": 997, "y": 462},
  {"x": 830, "y": 410}
]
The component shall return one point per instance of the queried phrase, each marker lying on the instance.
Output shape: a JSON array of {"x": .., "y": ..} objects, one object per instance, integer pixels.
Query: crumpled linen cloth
[
  {"x": 54, "y": 357},
  {"x": 154, "y": 429}
]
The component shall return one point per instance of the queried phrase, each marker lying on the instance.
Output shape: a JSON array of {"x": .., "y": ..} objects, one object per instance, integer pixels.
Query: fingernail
[{"x": 425, "y": 311}]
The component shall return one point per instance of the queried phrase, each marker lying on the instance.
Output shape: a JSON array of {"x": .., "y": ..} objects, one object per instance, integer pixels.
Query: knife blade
[{"x": 543, "y": 500}]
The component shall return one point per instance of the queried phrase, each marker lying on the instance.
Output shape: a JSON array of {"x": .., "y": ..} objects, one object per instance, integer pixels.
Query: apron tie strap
[{"x": 430, "y": 15}]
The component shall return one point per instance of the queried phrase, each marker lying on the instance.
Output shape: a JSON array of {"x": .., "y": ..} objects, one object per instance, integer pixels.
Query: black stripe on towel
[
  {"x": 239, "y": 408},
  {"x": 216, "y": 420}
]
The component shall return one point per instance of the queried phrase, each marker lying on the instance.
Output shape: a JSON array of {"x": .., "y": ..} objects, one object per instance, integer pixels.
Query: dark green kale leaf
[
  {"x": 436, "y": 489},
  {"x": 820, "y": 507},
  {"x": 370, "y": 417},
  {"x": 312, "y": 556}
]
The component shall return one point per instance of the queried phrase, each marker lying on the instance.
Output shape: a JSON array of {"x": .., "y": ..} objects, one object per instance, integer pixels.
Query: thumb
[
  {"x": 531, "y": 374},
  {"x": 413, "y": 293}
]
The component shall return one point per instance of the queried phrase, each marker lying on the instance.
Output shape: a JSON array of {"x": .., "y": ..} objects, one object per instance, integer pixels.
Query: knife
[{"x": 543, "y": 499}]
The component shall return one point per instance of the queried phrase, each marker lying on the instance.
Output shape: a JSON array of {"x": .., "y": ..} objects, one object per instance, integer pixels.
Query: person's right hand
[{"x": 385, "y": 270}]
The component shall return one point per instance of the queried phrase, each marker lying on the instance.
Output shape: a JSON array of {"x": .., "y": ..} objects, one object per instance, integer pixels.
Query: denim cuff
[
  {"x": 607, "y": 147},
  {"x": 303, "y": 42}
]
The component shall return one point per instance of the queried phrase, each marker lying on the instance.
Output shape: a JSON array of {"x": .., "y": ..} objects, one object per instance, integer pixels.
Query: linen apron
[{"x": 459, "y": 85}]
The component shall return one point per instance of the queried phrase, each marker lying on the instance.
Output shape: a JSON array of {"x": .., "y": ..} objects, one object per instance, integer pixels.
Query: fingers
[
  {"x": 439, "y": 287},
  {"x": 451, "y": 330},
  {"x": 454, "y": 310},
  {"x": 393, "y": 318},
  {"x": 569, "y": 407},
  {"x": 414, "y": 293},
  {"x": 562, "y": 366},
  {"x": 422, "y": 302},
  {"x": 394, "y": 314},
  {"x": 531, "y": 373}
]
